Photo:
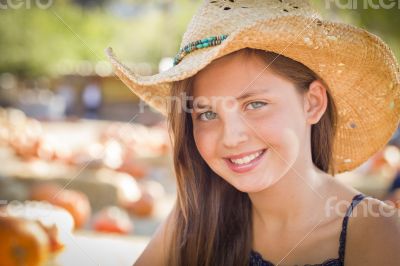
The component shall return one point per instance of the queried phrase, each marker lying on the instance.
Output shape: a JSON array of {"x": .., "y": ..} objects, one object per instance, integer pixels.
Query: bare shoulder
[
  {"x": 156, "y": 251},
  {"x": 373, "y": 234}
]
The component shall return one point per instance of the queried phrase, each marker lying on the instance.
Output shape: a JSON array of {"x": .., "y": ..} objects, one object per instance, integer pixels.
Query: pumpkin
[
  {"x": 23, "y": 242},
  {"x": 138, "y": 171},
  {"x": 52, "y": 219},
  {"x": 112, "y": 220},
  {"x": 143, "y": 204},
  {"x": 143, "y": 207},
  {"x": 75, "y": 202}
]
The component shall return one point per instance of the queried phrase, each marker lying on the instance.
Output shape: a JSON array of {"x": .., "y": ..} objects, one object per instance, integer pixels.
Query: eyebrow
[
  {"x": 246, "y": 95},
  {"x": 241, "y": 97}
]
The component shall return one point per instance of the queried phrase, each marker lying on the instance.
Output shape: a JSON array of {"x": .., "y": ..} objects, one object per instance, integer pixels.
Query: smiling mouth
[{"x": 247, "y": 159}]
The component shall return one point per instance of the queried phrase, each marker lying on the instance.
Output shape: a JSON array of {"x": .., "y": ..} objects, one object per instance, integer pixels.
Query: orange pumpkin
[
  {"x": 75, "y": 202},
  {"x": 143, "y": 207},
  {"x": 112, "y": 220},
  {"x": 23, "y": 242},
  {"x": 52, "y": 219},
  {"x": 55, "y": 244},
  {"x": 135, "y": 169},
  {"x": 44, "y": 192}
]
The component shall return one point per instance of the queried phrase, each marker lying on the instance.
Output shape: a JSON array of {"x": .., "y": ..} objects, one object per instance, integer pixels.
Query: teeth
[{"x": 246, "y": 159}]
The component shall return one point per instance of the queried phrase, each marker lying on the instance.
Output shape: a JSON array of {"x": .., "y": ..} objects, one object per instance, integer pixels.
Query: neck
[{"x": 293, "y": 198}]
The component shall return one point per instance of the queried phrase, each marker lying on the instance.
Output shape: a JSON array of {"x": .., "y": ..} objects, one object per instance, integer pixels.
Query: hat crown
[{"x": 218, "y": 17}]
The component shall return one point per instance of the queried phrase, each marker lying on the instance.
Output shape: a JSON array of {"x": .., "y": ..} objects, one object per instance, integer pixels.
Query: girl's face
[{"x": 249, "y": 125}]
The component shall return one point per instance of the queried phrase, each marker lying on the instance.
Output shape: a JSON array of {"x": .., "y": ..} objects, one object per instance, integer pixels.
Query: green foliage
[
  {"x": 34, "y": 42},
  {"x": 35, "y": 39}
]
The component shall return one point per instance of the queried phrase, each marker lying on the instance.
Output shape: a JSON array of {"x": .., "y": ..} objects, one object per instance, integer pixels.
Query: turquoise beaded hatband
[{"x": 199, "y": 44}]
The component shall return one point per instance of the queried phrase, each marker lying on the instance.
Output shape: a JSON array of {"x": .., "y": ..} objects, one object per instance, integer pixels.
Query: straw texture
[{"x": 361, "y": 71}]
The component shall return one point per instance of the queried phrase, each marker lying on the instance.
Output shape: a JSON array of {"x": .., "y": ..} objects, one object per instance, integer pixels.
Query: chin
[
  {"x": 263, "y": 183},
  {"x": 249, "y": 189},
  {"x": 249, "y": 186}
]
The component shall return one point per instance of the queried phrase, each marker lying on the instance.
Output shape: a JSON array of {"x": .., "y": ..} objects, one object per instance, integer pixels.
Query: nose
[{"x": 234, "y": 133}]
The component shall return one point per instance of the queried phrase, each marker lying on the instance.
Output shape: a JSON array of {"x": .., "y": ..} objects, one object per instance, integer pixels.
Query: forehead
[{"x": 235, "y": 73}]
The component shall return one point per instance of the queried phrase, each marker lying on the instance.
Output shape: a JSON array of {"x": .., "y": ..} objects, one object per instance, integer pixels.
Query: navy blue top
[{"x": 257, "y": 260}]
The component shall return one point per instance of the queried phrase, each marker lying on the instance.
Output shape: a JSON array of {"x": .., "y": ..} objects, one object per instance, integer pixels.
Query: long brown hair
[{"x": 211, "y": 221}]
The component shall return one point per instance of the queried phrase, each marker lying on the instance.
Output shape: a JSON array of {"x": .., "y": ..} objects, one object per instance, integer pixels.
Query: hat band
[{"x": 199, "y": 44}]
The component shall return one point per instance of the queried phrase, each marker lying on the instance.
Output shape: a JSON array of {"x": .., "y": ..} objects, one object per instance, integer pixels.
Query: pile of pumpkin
[
  {"x": 34, "y": 230},
  {"x": 118, "y": 146},
  {"x": 31, "y": 232}
]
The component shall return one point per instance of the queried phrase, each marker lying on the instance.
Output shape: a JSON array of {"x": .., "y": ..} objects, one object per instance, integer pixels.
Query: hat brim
[{"x": 359, "y": 68}]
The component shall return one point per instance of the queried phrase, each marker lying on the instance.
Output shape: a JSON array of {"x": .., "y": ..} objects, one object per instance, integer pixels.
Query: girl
[{"x": 265, "y": 103}]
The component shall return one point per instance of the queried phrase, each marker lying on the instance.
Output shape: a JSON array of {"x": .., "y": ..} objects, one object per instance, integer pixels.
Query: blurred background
[{"x": 75, "y": 152}]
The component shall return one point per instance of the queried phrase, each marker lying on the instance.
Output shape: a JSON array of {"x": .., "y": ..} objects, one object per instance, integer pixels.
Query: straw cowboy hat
[{"x": 359, "y": 68}]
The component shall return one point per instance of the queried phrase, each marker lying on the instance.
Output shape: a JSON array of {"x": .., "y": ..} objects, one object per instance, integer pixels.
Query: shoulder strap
[{"x": 342, "y": 241}]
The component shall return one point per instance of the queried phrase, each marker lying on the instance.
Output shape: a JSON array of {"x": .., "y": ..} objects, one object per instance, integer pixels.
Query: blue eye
[
  {"x": 256, "y": 105},
  {"x": 209, "y": 115}
]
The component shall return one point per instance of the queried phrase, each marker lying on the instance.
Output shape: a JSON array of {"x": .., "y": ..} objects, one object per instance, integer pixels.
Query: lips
[
  {"x": 241, "y": 155},
  {"x": 245, "y": 162},
  {"x": 246, "y": 159}
]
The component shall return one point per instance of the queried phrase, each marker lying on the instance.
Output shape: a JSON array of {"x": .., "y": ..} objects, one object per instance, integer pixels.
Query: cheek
[
  {"x": 269, "y": 128},
  {"x": 206, "y": 142},
  {"x": 282, "y": 135},
  {"x": 276, "y": 125}
]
